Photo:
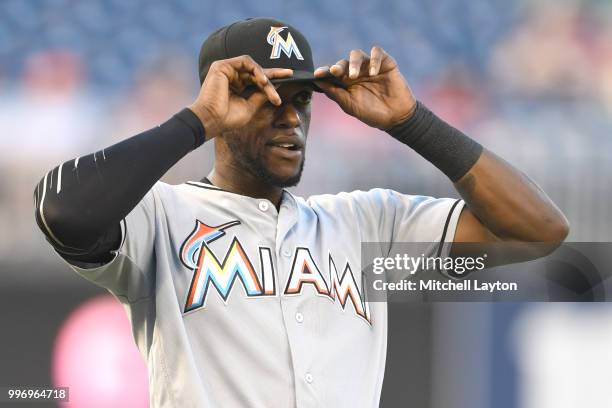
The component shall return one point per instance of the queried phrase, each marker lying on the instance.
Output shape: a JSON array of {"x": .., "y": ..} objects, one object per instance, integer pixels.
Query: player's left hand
[{"x": 375, "y": 90}]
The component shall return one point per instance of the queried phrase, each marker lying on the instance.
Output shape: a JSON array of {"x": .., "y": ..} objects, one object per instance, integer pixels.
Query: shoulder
[
  {"x": 189, "y": 189},
  {"x": 373, "y": 197},
  {"x": 351, "y": 204},
  {"x": 375, "y": 202}
]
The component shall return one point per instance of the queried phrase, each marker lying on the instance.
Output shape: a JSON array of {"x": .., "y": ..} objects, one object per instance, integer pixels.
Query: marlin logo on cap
[{"x": 279, "y": 44}]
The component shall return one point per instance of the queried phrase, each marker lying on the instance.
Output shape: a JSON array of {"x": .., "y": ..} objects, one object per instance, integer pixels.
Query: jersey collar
[{"x": 286, "y": 197}]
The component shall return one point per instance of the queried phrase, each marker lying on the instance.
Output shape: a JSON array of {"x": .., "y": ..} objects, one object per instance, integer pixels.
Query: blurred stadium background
[{"x": 531, "y": 80}]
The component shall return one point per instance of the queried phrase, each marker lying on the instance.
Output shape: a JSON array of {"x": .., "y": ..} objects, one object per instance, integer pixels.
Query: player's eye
[{"x": 303, "y": 98}]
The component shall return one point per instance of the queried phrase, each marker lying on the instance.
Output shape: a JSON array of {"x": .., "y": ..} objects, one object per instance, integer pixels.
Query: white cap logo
[{"x": 278, "y": 44}]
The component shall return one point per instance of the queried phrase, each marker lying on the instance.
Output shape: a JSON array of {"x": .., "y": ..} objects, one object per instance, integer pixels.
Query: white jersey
[{"x": 235, "y": 304}]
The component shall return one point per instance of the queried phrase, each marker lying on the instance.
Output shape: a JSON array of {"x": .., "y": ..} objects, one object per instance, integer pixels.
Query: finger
[
  {"x": 246, "y": 83},
  {"x": 263, "y": 82},
  {"x": 340, "y": 68},
  {"x": 242, "y": 82},
  {"x": 322, "y": 72},
  {"x": 376, "y": 57},
  {"x": 356, "y": 59},
  {"x": 246, "y": 64},
  {"x": 275, "y": 73},
  {"x": 247, "y": 70}
]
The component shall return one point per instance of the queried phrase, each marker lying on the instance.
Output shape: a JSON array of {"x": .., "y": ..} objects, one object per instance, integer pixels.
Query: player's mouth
[{"x": 289, "y": 147}]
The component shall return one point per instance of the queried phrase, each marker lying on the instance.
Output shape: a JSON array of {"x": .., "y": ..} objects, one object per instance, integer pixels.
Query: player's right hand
[{"x": 223, "y": 103}]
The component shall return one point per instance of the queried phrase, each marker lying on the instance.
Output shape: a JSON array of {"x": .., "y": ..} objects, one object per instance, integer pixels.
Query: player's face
[{"x": 272, "y": 146}]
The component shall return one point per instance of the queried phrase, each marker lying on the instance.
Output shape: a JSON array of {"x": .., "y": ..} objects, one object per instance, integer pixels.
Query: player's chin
[{"x": 284, "y": 172}]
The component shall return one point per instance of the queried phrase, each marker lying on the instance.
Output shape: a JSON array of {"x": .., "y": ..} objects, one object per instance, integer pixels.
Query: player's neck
[{"x": 246, "y": 185}]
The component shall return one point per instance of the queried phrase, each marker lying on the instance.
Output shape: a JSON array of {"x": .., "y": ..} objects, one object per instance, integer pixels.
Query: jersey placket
[{"x": 293, "y": 317}]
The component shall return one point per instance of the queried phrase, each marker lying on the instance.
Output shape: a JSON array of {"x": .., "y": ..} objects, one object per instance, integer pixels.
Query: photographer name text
[{"x": 437, "y": 285}]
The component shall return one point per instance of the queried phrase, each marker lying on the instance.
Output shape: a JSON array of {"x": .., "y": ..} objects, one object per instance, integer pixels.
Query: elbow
[
  {"x": 545, "y": 230},
  {"x": 552, "y": 235},
  {"x": 557, "y": 231},
  {"x": 39, "y": 210},
  {"x": 564, "y": 229},
  {"x": 49, "y": 214}
]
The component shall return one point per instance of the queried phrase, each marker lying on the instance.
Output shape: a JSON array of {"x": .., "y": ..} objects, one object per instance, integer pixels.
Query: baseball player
[{"x": 241, "y": 294}]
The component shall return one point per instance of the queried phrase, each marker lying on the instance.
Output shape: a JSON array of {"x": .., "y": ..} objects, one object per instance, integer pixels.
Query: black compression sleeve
[
  {"x": 441, "y": 144},
  {"x": 80, "y": 203}
]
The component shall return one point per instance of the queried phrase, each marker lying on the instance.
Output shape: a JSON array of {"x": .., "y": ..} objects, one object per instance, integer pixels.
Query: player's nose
[{"x": 287, "y": 117}]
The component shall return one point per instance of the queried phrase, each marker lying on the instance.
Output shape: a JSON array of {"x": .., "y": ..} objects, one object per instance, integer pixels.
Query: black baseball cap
[{"x": 270, "y": 42}]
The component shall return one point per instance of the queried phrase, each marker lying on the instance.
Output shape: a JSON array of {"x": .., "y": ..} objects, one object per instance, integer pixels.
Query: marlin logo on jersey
[
  {"x": 278, "y": 44},
  {"x": 196, "y": 255},
  {"x": 221, "y": 273}
]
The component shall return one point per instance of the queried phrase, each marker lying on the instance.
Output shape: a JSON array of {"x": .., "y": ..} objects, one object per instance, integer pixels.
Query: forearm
[
  {"x": 502, "y": 202},
  {"x": 80, "y": 200},
  {"x": 509, "y": 203}
]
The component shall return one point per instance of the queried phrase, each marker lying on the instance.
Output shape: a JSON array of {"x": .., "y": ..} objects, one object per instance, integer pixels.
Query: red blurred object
[
  {"x": 95, "y": 356},
  {"x": 53, "y": 72}
]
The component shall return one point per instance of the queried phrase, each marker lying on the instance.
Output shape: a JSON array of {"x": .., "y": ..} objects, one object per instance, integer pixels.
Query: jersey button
[
  {"x": 263, "y": 205},
  {"x": 299, "y": 317},
  {"x": 308, "y": 378},
  {"x": 287, "y": 252}
]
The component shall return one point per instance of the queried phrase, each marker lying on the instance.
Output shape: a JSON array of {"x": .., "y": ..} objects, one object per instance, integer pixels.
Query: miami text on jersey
[{"x": 222, "y": 272}]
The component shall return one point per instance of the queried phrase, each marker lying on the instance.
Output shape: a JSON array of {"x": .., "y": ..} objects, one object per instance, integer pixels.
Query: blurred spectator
[
  {"x": 458, "y": 96},
  {"x": 164, "y": 86},
  {"x": 529, "y": 79},
  {"x": 47, "y": 118},
  {"x": 50, "y": 105},
  {"x": 556, "y": 52}
]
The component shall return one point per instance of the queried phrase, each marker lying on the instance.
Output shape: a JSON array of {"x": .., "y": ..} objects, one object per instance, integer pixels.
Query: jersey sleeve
[
  {"x": 129, "y": 275},
  {"x": 424, "y": 219},
  {"x": 396, "y": 219}
]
